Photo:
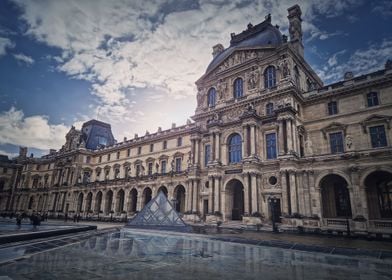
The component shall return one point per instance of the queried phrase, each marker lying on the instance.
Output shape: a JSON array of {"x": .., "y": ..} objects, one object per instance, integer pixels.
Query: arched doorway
[
  {"x": 335, "y": 197},
  {"x": 80, "y": 203},
  {"x": 379, "y": 194},
  {"x": 98, "y": 202},
  {"x": 133, "y": 200},
  {"x": 89, "y": 202},
  {"x": 234, "y": 200},
  {"x": 120, "y": 201},
  {"x": 109, "y": 202},
  {"x": 179, "y": 195},
  {"x": 147, "y": 193},
  {"x": 163, "y": 189}
]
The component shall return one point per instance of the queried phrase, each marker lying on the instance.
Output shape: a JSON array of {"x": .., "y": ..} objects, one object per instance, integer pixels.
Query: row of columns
[
  {"x": 287, "y": 138},
  {"x": 249, "y": 133}
]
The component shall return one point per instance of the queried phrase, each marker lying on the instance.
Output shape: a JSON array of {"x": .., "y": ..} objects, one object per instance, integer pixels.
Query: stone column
[
  {"x": 280, "y": 140},
  {"x": 245, "y": 141},
  {"x": 255, "y": 204},
  {"x": 217, "y": 146},
  {"x": 223, "y": 203},
  {"x": 306, "y": 190},
  {"x": 195, "y": 191},
  {"x": 246, "y": 193},
  {"x": 139, "y": 200},
  {"x": 301, "y": 193},
  {"x": 196, "y": 156},
  {"x": 253, "y": 140},
  {"x": 213, "y": 146},
  {"x": 210, "y": 194},
  {"x": 188, "y": 194},
  {"x": 289, "y": 136},
  {"x": 283, "y": 182},
  {"x": 295, "y": 138},
  {"x": 293, "y": 191},
  {"x": 216, "y": 194}
]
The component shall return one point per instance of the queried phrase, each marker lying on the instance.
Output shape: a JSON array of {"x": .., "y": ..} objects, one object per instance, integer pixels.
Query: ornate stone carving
[
  {"x": 222, "y": 89},
  {"x": 309, "y": 147},
  {"x": 237, "y": 58},
  {"x": 253, "y": 79},
  {"x": 349, "y": 143},
  {"x": 284, "y": 67},
  {"x": 200, "y": 98}
]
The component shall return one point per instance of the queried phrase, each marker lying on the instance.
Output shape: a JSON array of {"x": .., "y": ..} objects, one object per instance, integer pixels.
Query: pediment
[
  {"x": 335, "y": 126},
  {"x": 150, "y": 159},
  {"x": 163, "y": 157},
  {"x": 178, "y": 154},
  {"x": 138, "y": 162},
  {"x": 376, "y": 119}
]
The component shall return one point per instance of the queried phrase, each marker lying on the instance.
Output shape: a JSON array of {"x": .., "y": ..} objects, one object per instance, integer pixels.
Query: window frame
[
  {"x": 270, "y": 77},
  {"x": 211, "y": 98},
  {"x": 332, "y": 108},
  {"x": 334, "y": 146},
  {"x": 238, "y": 88},
  {"x": 269, "y": 109},
  {"x": 271, "y": 151},
  {"x": 374, "y": 99},
  {"x": 384, "y": 135},
  {"x": 234, "y": 149}
]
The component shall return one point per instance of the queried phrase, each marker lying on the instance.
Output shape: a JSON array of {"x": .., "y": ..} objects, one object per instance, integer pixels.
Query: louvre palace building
[{"x": 268, "y": 141}]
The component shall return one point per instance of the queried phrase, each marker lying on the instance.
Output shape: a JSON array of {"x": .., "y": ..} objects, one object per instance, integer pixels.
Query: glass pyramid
[{"x": 159, "y": 213}]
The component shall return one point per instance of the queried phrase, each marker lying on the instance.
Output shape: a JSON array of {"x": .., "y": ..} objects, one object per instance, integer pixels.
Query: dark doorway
[
  {"x": 235, "y": 199},
  {"x": 275, "y": 211}
]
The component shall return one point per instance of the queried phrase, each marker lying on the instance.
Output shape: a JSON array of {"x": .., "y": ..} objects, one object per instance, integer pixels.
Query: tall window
[
  {"x": 211, "y": 97},
  {"x": 116, "y": 173},
  {"x": 164, "y": 145},
  {"x": 270, "y": 77},
  {"x": 118, "y": 155},
  {"x": 139, "y": 150},
  {"x": 270, "y": 140},
  {"x": 238, "y": 88},
  {"x": 377, "y": 136},
  {"x": 151, "y": 148},
  {"x": 179, "y": 141},
  {"x": 269, "y": 109},
  {"x": 108, "y": 157},
  {"x": 336, "y": 142},
  {"x": 332, "y": 108},
  {"x": 178, "y": 164},
  {"x": 235, "y": 148},
  {"x": 100, "y": 159},
  {"x": 207, "y": 154},
  {"x": 296, "y": 77},
  {"x": 372, "y": 99},
  {"x": 128, "y": 152},
  {"x": 150, "y": 168},
  {"x": 163, "y": 167}
]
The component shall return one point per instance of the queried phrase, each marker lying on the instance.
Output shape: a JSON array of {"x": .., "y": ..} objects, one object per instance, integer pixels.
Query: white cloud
[
  {"x": 33, "y": 131},
  {"x": 128, "y": 48},
  {"x": 24, "y": 58},
  {"x": 362, "y": 61},
  {"x": 5, "y": 44},
  {"x": 384, "y": 8}
]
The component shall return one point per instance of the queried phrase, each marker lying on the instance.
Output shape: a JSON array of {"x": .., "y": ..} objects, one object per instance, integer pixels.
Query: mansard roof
[{"x": 260, "y": 35}]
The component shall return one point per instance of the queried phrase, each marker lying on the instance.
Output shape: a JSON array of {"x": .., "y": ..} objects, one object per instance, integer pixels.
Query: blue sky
[{"x": 133, "y": 63}]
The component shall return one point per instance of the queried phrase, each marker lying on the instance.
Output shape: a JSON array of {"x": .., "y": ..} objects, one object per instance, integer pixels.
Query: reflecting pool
[{"x": 132, "y": 254}]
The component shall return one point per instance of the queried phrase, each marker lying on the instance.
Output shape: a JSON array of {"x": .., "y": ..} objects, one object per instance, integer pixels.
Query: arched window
[
  {"x": 297, "y": 76},
  {"x": 269, "y": 109},
  {"x": 270, "y": 77},
  {"x": 238, "y": 88},
  {"x": 235, "y": 148},
  {"x": 211, "y": 97}
]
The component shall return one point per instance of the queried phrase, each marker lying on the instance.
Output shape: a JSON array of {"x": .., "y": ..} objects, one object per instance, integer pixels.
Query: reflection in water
[{"x": 130, "y": 255}]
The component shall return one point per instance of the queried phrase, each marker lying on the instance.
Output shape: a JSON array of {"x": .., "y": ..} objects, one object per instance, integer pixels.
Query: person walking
[{"x": 19, "y": 221}]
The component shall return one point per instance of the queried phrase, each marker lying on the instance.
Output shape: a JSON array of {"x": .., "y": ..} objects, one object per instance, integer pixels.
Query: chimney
[
  {"x": 23, "y": 152},
  {"x": 295, "y": 28},
  {"x": 217, "y": 49},
  {"x": 52, "y": 151},
  {"x": 173, "y": 125}
]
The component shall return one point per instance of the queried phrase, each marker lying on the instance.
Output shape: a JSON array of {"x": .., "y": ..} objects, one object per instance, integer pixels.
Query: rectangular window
[
  {"x": 108, "y": 157},
  {"x": 271, "y": 145},
  {"x": 128, "y": 152},
  {"x": 100, "y": 159},
  {"x": 88, "y": 159},
  {"x": 139, "y": 150},
  {"x": 151, "y": 148},
  {"x": 207, "y": 154},
  {"x": 336, "y": 142},
  {"x": 118, "y": 155},
  {"x": 150, "y": 168},
  {"x": 48, "y": 166},
  {"x": 332, "y": 108},
  {"x": 163, "y": 167},
  {"x": 164, "y": 145},
  {"x": 178, "y": 164},
  {"x": 372, "y": 99},
  {"x": 378, "y": 136},
  {"x": 179, "y": 141},
  {"x": 5, "y": 170}
]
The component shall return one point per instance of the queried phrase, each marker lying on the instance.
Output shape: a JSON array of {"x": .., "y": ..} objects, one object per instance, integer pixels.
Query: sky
[{"x": 134, "y": 63}]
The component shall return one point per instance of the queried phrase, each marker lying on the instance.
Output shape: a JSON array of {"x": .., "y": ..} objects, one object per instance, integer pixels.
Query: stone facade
[{"x": 268, "y": 140}]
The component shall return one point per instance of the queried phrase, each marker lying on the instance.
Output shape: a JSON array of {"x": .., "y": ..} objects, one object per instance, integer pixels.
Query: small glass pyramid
[{"x": 159, "y": 213}]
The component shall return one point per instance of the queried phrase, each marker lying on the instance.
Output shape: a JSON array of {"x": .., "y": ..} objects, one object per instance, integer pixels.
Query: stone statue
[
  {"x": 253, "y": 80},
  {"x": 309, "y": 147},
  {"x": 349, "y": 143},
  {"x": 172, "y": 165},
  {"x": 222, "y": 88},
  {"x": 285, "y": 69},
  {"x": 157, "y": 167},
  {"x": 200, "y": 98}
]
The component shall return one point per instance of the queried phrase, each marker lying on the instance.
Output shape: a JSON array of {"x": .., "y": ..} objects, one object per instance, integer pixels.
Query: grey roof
[{"x": 261, "y": 35}]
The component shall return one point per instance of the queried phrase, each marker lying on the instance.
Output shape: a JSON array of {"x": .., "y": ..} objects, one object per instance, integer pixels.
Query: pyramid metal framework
[{"x": 159, "y": 213}]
